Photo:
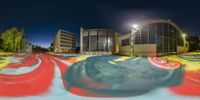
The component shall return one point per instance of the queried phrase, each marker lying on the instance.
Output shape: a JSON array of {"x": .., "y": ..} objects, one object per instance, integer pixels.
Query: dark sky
[{"x": 42, "y": 18}]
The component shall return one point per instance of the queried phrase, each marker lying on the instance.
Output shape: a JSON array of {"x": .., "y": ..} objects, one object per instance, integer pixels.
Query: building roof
[
  {"x": 149, "y": 21},
  {"x": 94, "y": 29},
  {"x": 66, "y": 31}
]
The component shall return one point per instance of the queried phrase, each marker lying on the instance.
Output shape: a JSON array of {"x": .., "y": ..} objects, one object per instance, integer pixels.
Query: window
[
  {"x": 171, "y": 31},
  {"x": 152, "y": 33},
  {"x": 85, "y": 41},
  {"x": 165, "y": 30},
  {"x": 159, "y": 29},
  {"x": 98, "y": 40},
  {"x": 111, "y": 40},
  {"x": 125, "y": 42},
  {"x": 159, "y": 44},
  {"x": 144, "y": 35},
  {"x": 137, "y": 38},
  {"x": 164, "y": 35},
  {"x": 93, "y": 41},
  {"x": 102, "y": 42},
  {"x": 166, "y": 45}
]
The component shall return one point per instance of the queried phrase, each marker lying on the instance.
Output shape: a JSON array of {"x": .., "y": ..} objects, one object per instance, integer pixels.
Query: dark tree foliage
[
  {"x": 194, "y": 42},
  {"x": 39, "y": 49}
]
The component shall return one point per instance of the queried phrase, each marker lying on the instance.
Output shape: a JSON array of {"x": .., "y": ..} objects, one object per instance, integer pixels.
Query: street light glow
[
  {"x": 183, "y": 35},
  {"x": 136, "y": 26}
]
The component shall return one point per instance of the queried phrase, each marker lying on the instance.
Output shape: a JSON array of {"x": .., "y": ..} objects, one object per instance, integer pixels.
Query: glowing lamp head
[
  {"x": 135, "y": 26},
  {"x": 183, "y": 35}
]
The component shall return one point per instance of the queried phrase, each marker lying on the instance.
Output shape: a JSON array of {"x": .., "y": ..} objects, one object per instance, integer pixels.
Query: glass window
[
  {"x": 144, "y": 35},
  {"x": 111, "y": 41},
  {"x": 93, "y": 41},
  {"x": 85, "y": 41},
  {"x": 171, "y": 31},
  {"x": 166, "y": 45},
  {"x": 137, "y": 38},
  {"x": 125, "y": 42},
  {"x": 159, "y": 44},
  {"x": 152, "y": 32},
  {"x": 165, "y": 35},
  {"x": 165, "y": 30},
  {"x": 159, "y": 29},
  {"x": 102, "y": 41}
]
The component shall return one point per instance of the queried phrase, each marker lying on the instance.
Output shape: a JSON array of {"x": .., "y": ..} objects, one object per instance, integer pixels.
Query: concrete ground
[{"x": 86, "y": 77}]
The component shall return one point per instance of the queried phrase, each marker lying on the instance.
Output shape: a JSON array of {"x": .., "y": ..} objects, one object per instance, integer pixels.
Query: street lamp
[
  {"x": 134, "y": 29},
  {"x": 183, "y": 35},
  {"x": 184, "y": 39},
  {"x": 135, "y": 26}
]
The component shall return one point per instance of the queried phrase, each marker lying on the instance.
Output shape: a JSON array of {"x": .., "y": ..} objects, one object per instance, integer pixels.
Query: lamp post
[
  {"x": 134, "y": 29},
  {"x": 184, "y": 41}
]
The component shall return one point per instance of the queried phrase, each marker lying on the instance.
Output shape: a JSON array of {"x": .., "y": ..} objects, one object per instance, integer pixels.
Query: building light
[{"x": 183, "y": 35}]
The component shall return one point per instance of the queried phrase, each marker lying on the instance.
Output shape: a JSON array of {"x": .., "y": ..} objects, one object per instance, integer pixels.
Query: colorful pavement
[{"x": 83, "y": 77}]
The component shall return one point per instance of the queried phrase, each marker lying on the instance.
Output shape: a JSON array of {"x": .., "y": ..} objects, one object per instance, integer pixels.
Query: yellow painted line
[
  {"x": 81, "y": 58},
  {"x": 137, "y": 58},
  {"x": 5, "y": 62},
  {"x": 122, "y": 59},
  {"x": 189, "y": 65},
  {"x": 6, "y": 53},
  {"x": 111, "y": 62}
]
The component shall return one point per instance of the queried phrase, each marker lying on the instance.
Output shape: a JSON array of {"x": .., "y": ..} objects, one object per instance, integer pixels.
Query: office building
[{"x": 64, "y": 42}]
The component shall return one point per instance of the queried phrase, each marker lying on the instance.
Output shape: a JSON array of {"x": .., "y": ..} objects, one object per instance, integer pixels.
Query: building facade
[
  {"x": 64, "y": 42},
  {"x": 98, "y": 41},
  {"x": 154, "y": 38}
]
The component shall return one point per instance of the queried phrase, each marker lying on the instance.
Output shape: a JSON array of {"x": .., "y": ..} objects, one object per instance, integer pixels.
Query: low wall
[
  {"x": 181, "y": 49},
  {"x": 125, "y": 50},
  {"x": 145, "y": 50},
  {"x": 97, "y": 53}
]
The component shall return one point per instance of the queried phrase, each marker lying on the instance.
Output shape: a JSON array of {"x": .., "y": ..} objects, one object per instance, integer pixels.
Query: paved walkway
[{"x": 99, "y": 77}]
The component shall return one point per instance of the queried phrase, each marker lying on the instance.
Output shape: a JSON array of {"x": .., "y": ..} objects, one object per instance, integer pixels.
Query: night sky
[{"x": 42, "y": 18}]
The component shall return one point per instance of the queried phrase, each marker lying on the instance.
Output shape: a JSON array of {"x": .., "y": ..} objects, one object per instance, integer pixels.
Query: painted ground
[{"x": 84, "y": 77}]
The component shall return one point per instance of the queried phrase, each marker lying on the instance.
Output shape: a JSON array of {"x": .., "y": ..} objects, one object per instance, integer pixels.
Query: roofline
[
  {"x": 66, "y": 31},
  {"x": 150, "y": 21},
  {"x": 94, "y": 29}
]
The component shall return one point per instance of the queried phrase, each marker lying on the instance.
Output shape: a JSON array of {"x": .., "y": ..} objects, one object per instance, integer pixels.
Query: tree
[
  {"x": 6, "y": 40},
  {"x": 1, "y": 44},
  {"x": 37, "y": 49},
  {"x": 194, "y": 43},
  {"x": 14, "y": 40}
]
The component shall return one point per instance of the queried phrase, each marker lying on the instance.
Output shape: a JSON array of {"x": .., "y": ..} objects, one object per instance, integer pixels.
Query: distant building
[
  {"x": 64, "y": 42},
  {"x": 29, "y": 48},
  {"x": 98, "y": 41}
]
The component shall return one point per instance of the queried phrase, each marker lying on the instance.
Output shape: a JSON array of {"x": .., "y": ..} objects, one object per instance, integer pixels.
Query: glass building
[
  {"x": 159, "y": 37},
  {"x": 98, "y": 41}
]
